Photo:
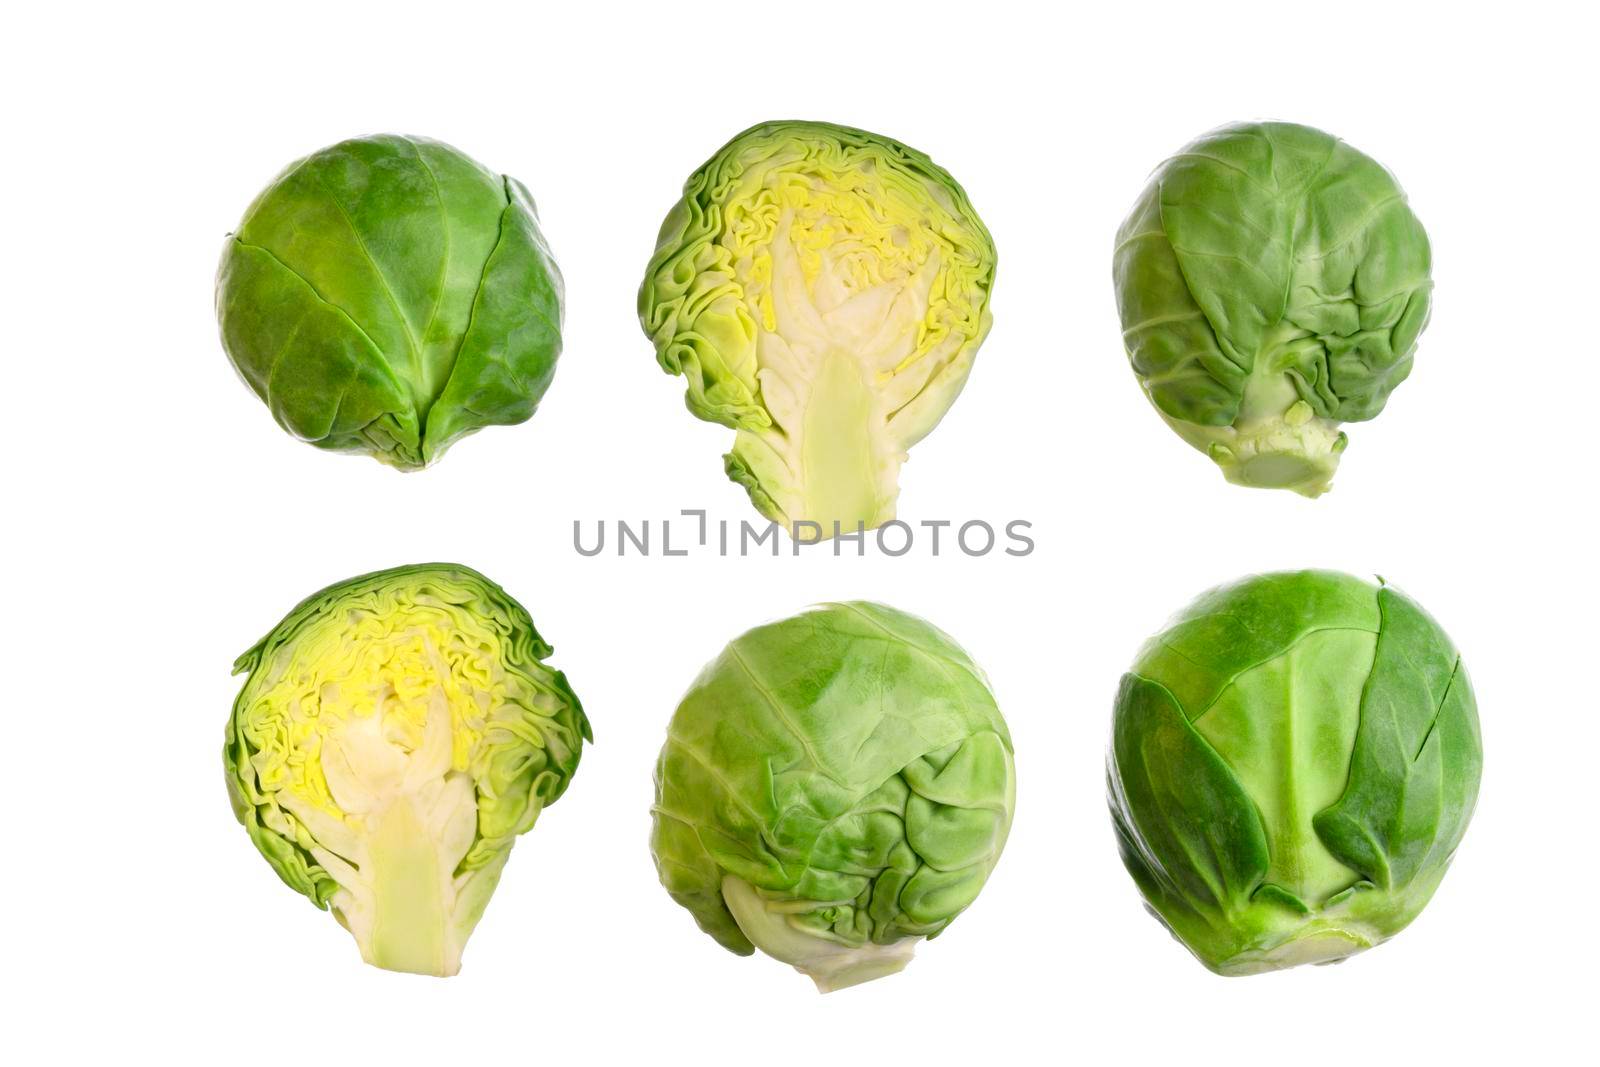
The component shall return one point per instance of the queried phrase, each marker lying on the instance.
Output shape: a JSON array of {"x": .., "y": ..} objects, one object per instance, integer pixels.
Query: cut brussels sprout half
[
  {"x": 395, "y": 733},
  {"x": 824, "y": 291}
]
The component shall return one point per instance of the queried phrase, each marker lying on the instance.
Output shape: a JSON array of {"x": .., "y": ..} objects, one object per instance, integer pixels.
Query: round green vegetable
[
  {"x": 395, "y": 733},
  {"x": 389, "y": 295},
  {"x": 834, "y": 787},
  {"x": 1294, "y": 760},
  {"x": 824, "y": 290},
  {"x": 1272, "y": 283}
]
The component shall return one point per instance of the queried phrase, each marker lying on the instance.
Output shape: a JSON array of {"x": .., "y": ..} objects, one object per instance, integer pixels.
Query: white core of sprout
[
  {"x": 408, "y": 821},
  {"x": 830, "y": 964},
  {"x": 838, "y": 377}
]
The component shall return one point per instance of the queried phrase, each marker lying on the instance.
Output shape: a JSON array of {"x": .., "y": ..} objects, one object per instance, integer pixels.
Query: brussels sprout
[
  {"x": 396, "y": 733},
  {"x": 834, "y": 787},
  {"x": 1293, "y": 762},
  {"x": 1272, "y": 284},
  {"x": 824, "y": 291},
  {"x": 389, "y": 295}
]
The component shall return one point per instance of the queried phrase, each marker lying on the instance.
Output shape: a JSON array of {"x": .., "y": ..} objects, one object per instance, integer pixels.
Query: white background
[{"x": 161, "y": 522}]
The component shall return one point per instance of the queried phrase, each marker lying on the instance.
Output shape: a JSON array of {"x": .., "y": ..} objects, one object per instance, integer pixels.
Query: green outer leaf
[
  {"x": 1172, "y": 346},
  {"x": 389, "y": 295},
  {"x": 507, "y": 357},
  {"x": 1190, "y": 829},
  {"x": 1189, "y": 834},
  {"x": 527, "y": 777},
  {"x": 1227, "y": 630},
  {"x": 1285, "y": 728},
  {"x": 1418, "y": 755},
  {"x": 1264, "y": 251},
  {"x": 850, "y": 759},
  {"x": 324, "y": 379}
]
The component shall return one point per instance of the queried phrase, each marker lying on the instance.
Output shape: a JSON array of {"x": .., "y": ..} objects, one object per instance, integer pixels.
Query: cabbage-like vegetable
[
  {"x": 1272, "y": 283},
  {"x": 834, "y": 787},
  {"x": 824, "y": 291},
  {"x": 389, "y": 295},
  {"x": 1294, "y": 760},
  {"x": 396, "y": 733}
]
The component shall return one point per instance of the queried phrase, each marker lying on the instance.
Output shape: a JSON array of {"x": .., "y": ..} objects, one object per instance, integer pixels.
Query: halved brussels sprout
[
  {"x": 824, "y": 290},
  {"x": 395, "y": 733}
]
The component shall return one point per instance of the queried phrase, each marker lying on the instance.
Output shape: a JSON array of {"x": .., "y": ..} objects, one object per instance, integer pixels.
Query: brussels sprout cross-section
[
  {"x": 834, "y": 788},
  {"x": 389, "y": 296},
  {"x": 1272, "y": 283},
  {"x": 1294, "y": 760},
  {"x": 824, "y": 291},
  {"x": 395, "y": 733}
]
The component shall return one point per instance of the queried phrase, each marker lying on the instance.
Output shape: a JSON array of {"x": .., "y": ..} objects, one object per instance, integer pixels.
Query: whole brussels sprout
[
  {"x": 824, "y": 290},
  {"x": 395, "y": 733},
  {"x": 1272, "y": 283},
  {"x": 389, "y": 295},
  {"x": 834, "y": 787},
  {"x": 1294, "y": 760}
]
